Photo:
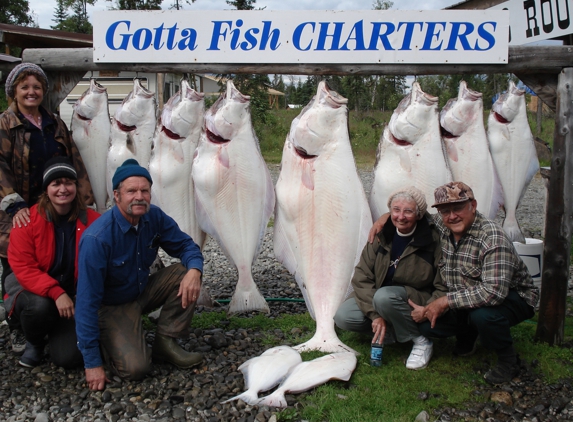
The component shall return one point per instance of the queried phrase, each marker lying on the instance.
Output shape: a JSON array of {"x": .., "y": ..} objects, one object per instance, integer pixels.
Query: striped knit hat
[
  {"x": 28, "y": 67},
  {"x": 416, "y": 194},
  {"x": 56, "y": 168}
]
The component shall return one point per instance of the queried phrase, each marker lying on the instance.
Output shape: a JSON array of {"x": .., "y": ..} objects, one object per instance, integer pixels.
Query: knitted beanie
[
  {"x": 416, "y": 194},
  {"x": 129, "y": 168},
  {"x": 57, "y": 168},
  {"x": 28, "y": 67}
]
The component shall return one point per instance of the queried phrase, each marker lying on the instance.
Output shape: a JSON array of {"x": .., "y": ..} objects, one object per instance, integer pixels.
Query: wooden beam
[
  {"x": 522, "y": 60},
  {"x": 559, "y": 220}
]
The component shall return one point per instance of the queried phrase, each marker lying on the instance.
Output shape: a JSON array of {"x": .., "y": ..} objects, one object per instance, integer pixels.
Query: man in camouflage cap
[{"x": 489, "y": 286}]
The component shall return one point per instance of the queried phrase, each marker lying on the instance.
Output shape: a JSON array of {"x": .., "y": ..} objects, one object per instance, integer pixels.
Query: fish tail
[
  {"x": 248, "y": 397},
  {"x": 326, "y": 345},
  {"x": 512, "y": 229},
  {"x": 277, "y": 399},
  {"x": 247, "y": 298}
]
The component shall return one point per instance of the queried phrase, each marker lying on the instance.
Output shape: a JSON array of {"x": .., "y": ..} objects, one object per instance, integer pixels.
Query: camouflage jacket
[{"x": 14, "y": 171}]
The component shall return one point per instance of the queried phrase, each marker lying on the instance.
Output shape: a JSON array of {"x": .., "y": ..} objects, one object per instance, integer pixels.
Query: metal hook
[
  {"x": 92, "y": 75},
  {"x": 136, "y": 76}
]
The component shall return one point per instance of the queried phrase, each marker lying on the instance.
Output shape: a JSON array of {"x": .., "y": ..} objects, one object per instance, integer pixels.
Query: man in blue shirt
[{"x": 115, "y": 288}]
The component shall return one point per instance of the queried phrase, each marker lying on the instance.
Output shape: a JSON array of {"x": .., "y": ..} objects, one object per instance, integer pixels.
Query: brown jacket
[
  {"x": 418, "y": 269},
  {"x": 14, "y": 171}
]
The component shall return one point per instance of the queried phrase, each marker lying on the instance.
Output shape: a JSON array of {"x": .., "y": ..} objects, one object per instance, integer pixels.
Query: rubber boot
[{"x": 166, "y": 349}]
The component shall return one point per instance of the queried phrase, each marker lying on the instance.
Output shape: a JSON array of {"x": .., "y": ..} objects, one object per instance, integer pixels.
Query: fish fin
[
  {"x": 452, "y": 150},
  {"x": 305, "y": 295},
  {"x": 277, "y": 399},
  {"x": 249, "y": 397},
  {"x": 223, "y": 157},
  {"x": 269, "y": 209},
  {"x": 326, "y": 345},
  {"x": 204, "y": 298},
  {"x": 512, "y": 229},
  {"x": 307, "y": 176},
  {"x": 247, "y": 297}
]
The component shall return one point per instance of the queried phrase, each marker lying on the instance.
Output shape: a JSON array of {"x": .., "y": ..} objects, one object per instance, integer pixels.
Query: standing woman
[
  {"x": 43, "y": 254},
  {"x": 29, "y": 136}
]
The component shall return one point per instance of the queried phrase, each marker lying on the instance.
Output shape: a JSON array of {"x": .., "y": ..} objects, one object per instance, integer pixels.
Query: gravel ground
[{"x": 47, "y": 393}]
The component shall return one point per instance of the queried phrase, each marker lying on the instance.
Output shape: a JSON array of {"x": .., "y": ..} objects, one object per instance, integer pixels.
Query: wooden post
[
  {"x": 559, "y": 218},
  {"x": 539, "y": 115}
]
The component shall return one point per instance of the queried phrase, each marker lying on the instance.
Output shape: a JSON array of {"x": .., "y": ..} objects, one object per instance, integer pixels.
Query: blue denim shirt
[{"x": 113, "y": 267}]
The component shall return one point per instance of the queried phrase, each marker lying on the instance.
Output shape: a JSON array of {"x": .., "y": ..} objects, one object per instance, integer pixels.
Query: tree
[
  {"x": 242, "y": 4},
  {"x": 175, "y": 5},
  {"x": 137, "y": 4},
  {"x": 382, "y": 5},
  {"x": 60, "y": 15},
  {"x": 16, "y": 12},
  {"x": 78, "y": 22}
]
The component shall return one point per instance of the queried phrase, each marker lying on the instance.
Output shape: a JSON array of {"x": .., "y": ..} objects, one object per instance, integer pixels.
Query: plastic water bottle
[{"x": 376, "y": 354}]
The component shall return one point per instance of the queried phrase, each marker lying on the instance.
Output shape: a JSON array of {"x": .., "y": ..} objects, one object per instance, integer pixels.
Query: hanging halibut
[
  {"x": 266, "y": 371},
  {"x": 463, "y": 133},
  {"x": 307, "y": 375},
  {"x": 234, "y": 191},
  {"x": 410, "y": 152},
  {"x": 91, "y": 127},
  {"x": 322, "y": 215},
  {"x": 132, "y": 129},
  {"x": 176, "y": 137},
  {"x": 513, "y": 152}
]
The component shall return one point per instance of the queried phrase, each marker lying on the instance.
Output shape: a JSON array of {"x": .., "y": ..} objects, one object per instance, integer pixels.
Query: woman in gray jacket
[{"x": 401, "y": 264}]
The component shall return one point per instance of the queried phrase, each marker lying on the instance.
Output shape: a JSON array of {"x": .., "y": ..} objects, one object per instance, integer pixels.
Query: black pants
[
  {"x": 6, "y": 270},
  {"x": 39, "y": 317},
  {"x": 491, "y": 323}
]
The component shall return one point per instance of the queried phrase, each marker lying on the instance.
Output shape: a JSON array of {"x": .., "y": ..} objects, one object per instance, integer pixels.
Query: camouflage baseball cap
[{"x": 452, "y": 192}]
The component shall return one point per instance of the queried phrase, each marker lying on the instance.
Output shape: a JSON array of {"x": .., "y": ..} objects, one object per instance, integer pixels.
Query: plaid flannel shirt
[{"x": 481, "y": 268}]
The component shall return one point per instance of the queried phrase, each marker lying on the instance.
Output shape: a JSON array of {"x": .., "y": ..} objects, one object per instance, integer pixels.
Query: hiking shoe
[
  {"x": 32, "y": 356},
  {"x": 18, "y": 341},
  {"x": 465, "y": 347},
  {"x": 421, "y": 353},
  {"x": 501, "y": 373}
]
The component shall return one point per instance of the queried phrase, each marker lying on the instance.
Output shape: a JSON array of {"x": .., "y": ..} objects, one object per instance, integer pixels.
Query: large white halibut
[
  {"x": 307, "y": 375},
  {"x": 234, "y": 191},
  {"x": 410, "y": 152},
  {"x": 176, "y": 138},
  {"x": 266, "y": 371},
  {"x": 513, "y": 152},
  {"x": 322, "y": 215},
  {"x": 463, "y": 133},
  {"x": 132, "y": 129},
  {"x": 91, "y": 127}
]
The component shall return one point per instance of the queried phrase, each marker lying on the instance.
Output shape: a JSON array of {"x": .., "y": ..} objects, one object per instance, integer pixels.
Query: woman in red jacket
[{"x": 43, "y": 255}]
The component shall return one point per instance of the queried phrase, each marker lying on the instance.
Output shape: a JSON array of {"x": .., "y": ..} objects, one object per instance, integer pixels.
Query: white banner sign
[
  {"x": 260, "y": 36},
  {"x": 537, "y": 20}
]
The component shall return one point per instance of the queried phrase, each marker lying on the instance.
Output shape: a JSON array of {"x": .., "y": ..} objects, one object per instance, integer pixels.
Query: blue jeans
[{"x": 491, "y": 323}]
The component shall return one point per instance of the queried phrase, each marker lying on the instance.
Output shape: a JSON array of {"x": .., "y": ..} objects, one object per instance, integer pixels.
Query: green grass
[
  {"x": 365, "y": 131},
  {"x": 390, "y": 392}
]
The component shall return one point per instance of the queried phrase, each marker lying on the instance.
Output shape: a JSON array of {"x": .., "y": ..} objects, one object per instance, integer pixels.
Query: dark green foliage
[
  {"x": 60, "y": 15},
  {"x": 138, "y": 4},
  {"x": 15, "y": 12},
  {"x": 242, "y": 4}
]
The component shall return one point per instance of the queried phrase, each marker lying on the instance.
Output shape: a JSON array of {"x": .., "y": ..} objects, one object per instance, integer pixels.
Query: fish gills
[
  {"x": 513, "y": 152},
  {"x": 322, "y": 216},
  {"x": 463, "y": 134},
  {"x": 307, "y": 375},
  {"x": 264, "y": 372},
  {"x": 132, "y": 130},
  {"x": 410, "y": 152},
  {"x": 234, "y": 194},
  {"x": 91, "y": 128}
]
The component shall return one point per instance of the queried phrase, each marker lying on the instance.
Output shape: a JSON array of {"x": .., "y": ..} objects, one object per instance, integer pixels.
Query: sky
[{"x": 44, "y": 9}]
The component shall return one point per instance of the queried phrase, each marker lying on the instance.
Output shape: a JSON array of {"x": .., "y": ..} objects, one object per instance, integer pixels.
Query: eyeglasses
[
  {"x": 406, "y": 211},
  {"x": 454, "y": 209}
]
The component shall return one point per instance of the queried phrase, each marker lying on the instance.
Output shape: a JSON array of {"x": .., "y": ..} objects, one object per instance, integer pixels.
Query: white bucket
[{"x": 531, "y": 252}]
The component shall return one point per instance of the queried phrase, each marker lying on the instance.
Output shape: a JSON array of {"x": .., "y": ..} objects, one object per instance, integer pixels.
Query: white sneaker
[{"x": 421, "y": 353}]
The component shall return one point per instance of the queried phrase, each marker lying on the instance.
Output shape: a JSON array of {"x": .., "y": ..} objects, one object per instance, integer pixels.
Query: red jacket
[{"x": 31, "y": 252}]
